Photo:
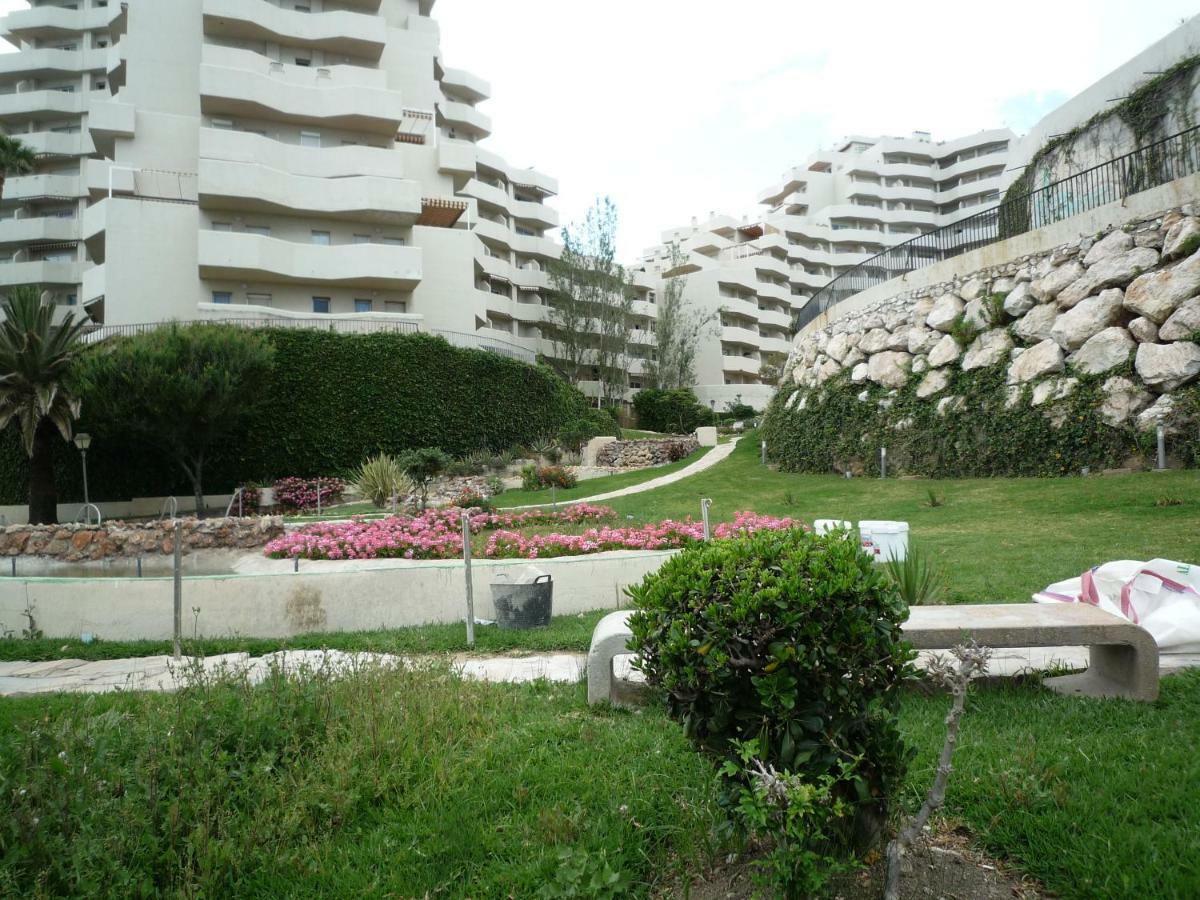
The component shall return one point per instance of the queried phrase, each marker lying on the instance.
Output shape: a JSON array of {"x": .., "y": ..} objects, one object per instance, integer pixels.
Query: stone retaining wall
[
  {"x": 1126, "y": 302},
  {"x": 636, "y": 454},
  {"x": 74, "y": 542}
]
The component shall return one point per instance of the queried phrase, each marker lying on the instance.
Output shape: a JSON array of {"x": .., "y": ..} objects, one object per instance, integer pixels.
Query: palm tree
[
  {"x": 35, "y": 356},
  {"x": 15, "y": 159}
]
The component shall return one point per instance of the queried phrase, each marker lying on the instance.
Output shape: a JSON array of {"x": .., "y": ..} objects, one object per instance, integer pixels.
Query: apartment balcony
[
  {"x": 892, "y": 192},
  {"x": 774, "y": 317},
  {"x": 465, "y": 84},
  {"x": 528, "y": 177},
  {"x": 49, "y": 23},
  {"x": 108, "y": 121},
  {"x": 237, "y": 256},
  {"x": 38, "y": 187},
  {"x": 495, "y": 231},
  {"x": 94, "y": 229},
  {"x": 102, "y": 177},
  {"x": 116, "y": 65},
  {"x": 526, "y": 210},
  {"x": 741, "y": 365},
  {"x": 969, "y": 189},
  {"x": 42, "y": 271},
  {"x": 732, "y": 334},
  {"x": 463, "y": 117},
  {"x": 53, "y": 143},
  {"x": 457, "y": 157},
  {"x": 339, "y": 31},
  {"x": 40, "y": 105},
  {"x": 38, "y": 229},
  {"x": 301, "y": 76},
  {"x": 781, "y": 292},
  {"x": 739, "y": 278},
  {"x": 486, "y": 194},
  {"x": 313, "y": 162},
  {"x": 252, "y": 187},
  {"x": 46, "y": 62},
  {"x": 774, "y": 345},
  {"x": 538, "y": 213},
  {"x": 233, "y": 92},
  {"x": 93, "y": 285}
]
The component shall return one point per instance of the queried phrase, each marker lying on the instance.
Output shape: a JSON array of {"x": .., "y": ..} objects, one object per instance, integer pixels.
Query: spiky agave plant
[
  {"x": 918, "y": 577},
  {"x": 381, "y": 478}
]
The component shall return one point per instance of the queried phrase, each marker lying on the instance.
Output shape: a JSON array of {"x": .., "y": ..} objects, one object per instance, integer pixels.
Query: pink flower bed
[{"x": 436, "y": 535}]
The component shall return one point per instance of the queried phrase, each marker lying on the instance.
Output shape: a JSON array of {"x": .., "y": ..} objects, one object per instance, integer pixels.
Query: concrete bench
[{"x": 1123, "y": 658}]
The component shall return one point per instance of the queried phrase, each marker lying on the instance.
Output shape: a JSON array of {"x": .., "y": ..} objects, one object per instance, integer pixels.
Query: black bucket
[{"x": 523, "y": 606}]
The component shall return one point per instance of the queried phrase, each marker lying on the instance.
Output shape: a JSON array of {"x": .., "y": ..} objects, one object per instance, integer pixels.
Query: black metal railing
[{"x": 1150, "y": 166}]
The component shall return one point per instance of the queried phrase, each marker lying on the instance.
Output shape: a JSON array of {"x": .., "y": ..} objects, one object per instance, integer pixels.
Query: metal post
[
  {"x": 241, "y": 493},
  {"x": 704, "y": 505},
  {"x": 883, "y": 462},
  {"x": 178, "y": 587},
  {"x": 86, "y": 499},
  {"x": 466, "y": 530},
  {"x": 295, "y": 564},
  {"x": 553, "y": 497},
  {"x": 318, "y": 496},
  {"x": 139, "y": 565},
  {"x": 1162, "y": 446},
  {"x": 764, "y": 453},
  {"x": 14, "y": 567}
]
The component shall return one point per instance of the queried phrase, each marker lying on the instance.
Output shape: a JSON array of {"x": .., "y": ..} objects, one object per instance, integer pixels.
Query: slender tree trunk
[
  {"x": 194, "y": 469},
  {"x": 43, "y": 495}
]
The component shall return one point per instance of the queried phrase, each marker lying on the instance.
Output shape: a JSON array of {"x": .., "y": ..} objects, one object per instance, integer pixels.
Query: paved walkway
[
  {"x": 707, "y": 461},
  {"x": 161, "y": 673}
]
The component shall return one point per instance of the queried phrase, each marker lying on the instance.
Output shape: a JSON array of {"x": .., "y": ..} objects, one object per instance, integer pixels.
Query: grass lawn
[
  {"x": 593, "y": 486},
  {"x": 998, "y": 539},
  {"x": 419, "y": 784}
]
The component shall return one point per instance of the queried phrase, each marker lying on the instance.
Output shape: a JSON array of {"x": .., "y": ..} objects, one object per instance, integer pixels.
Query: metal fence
[
  {"x": 470, "y": 341},
  {"x": 1144, "y": 168}
]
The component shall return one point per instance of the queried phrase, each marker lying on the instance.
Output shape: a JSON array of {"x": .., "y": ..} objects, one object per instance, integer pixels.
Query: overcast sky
[{"x": 679, "y": 107}]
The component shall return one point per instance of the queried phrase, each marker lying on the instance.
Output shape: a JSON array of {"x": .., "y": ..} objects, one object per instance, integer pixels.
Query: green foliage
[
  {"x": 672, "y": 412},
  {"x": 596, "y": 423},
  {"x": 332, "y": 401},
  {"x": 186, "y": 391},
  {"x": 985, "y": 436},
  {"x": 16, "y": 157},
  {"x": 917, "y": 577},
  {"x": 422, "y": 467},
  {"x": 538, "y": 478},
  {"x": 381, "y": 478},
  {"x": 787, "y": 639},
  {"x": 994, "y": 305},
  {"x": 589, "y": 875},
  {"x": 495, "y": 485},
  {"x": 963, "y": 331}
]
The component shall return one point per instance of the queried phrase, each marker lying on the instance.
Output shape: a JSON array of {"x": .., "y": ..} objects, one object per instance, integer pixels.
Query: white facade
[{"x": 203, "y": 158}]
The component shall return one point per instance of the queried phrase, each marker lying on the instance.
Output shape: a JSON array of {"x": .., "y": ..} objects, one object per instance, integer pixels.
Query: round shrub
[{"x": 787, "y": 639}]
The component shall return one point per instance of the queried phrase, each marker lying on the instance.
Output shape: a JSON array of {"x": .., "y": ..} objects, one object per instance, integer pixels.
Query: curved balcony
[
  {"x": 527, "y": 177},
  {"x": 525, "y": 210},
  {"x": 731, "y": 334},
  {"x": 301, "y": 76},
  {"x": 740, "y": 364},
  {"x": 238, "y": 256},
  {"x": 774, "y": 317},
  {"x": 225, "y": 91},
  {"x": 339, "y": 31},
  {"x": 528, "y": 245},
  {"x": 47, "y": 62},
  {"x": 313, "y": 162},
  {"x": 970, "y": 188},
  {"x": 738, "y": 278},
  {"x": 463, "y": 117},
  {"x": 40, "y": 105},
  {"x": 54, "y": 22},
  {"x": 41, "y": 271},
  {"x": 251, "y": 187},
  {"x": 43, "y": 229},
  {"x": 456, "y": 157},
  {"x": 781, "y": 292},
  {"x": 465, "y": 84},
  {"x": 775, "y": 345}
]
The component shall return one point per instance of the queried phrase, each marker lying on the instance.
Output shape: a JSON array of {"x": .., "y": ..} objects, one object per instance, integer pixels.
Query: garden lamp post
[{"x": 83, "y": 440}]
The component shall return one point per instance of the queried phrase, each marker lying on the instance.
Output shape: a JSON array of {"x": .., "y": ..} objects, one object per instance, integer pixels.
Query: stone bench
[{"x": 1123, "y": 658}]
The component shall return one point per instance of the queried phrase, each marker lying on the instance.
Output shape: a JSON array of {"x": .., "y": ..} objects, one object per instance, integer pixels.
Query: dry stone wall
[
  {"x": 1119, "y": 310},
  {"x": 75, "y": 542},
  {"x": 636, "y": 454}
]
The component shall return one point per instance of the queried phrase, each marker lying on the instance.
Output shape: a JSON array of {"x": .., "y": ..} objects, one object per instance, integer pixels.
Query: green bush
[
  {"x": 671, "y": 412},
  {"x": 787, "y": 639},
  {"x": 331, "y": 401},
  {"x": 381, "y": 478},
  {"x": 596, "y": 423},
  {"x": 537, "y": 478},
  {"x": 422, "y": 467}
]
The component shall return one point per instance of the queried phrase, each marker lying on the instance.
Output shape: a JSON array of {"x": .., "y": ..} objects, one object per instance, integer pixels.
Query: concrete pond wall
[{"x": 321, "y": 597}]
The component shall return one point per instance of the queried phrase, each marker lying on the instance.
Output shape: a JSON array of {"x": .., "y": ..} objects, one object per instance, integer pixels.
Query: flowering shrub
[
  {"x": 473, "y": 499},
  {"x": 435, "y": 534},
  {"x": 301, "y": 493},
  {"x": 536, "y": 478}
]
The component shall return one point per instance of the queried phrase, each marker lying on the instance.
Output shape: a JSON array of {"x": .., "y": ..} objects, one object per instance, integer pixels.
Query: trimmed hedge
[{"x": 336, "y": 399}]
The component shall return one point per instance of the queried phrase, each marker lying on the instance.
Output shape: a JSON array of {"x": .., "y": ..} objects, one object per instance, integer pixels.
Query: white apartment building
[
  {"x": 824, "y": 217},
  {"x": 251, "y": 158}
]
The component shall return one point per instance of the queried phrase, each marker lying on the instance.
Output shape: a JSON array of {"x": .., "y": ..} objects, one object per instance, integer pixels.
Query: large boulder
[
  {"x": 859, "y": 373},
  {"x": 1104, "y": 351},
  {"x": 1110, "y": 245},
  {"x": 898, "y": 339},
  {"x": 1160, "y": 412},
  {"x": 889, "y": 368},
  {"x": 1143, "y": 330},
  {"x": 936, "y": 381},
  {"x": 1089, "y": 317},
  {"x": 1183, "y": 238},
  {"x": 874, "y": 340},
  {"x": 944, "y": 352},
  {"x": 827, "y": 370},
  {"x": 838, "y": 347},
  {"x": 921, "y": 339},
  {"x": 1165, "y": 367},
  {"x": 1036, "y": 324},
  {"x": 1052, "y": 389},
  {"x": 1019, "y": 300},
  {"x": 1047, "y": 287},
  {"x": 976, "y": 314},
  {"x": 972, "y": 290},
  {"x": 1157, "y": 294},
  {"x": 945, "y": 313},
  {"x": 1123, "y": 399},
  {"x": 989, "y": 349},
  {"x": 1041, "y": 359},
  {"x": 1108, "y": 272},
  {"x": 1184, "y": 323}
]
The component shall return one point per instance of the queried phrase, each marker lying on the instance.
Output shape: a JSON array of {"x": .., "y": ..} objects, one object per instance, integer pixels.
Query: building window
[
  {"x": 395, "y": 306},
  {"x": 362, "y": 306},
  {"x": 320, "y": 304},
  {"x": 258, "y": 299},
  {"x": 321, "y": 238},
  {"x": 394, "y": 241},
  {"x": 72, "y": 299},
  {"x": 222, "y": 297},
  {"x": 261, "y": 230},
  {"x": 223, "y": 124},
  {"x": 310, "y": 139},
  {"x": 303, "y": 61}
]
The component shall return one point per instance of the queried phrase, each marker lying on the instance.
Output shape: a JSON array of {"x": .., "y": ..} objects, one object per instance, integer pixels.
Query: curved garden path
[{"x": 707, "y": 461}]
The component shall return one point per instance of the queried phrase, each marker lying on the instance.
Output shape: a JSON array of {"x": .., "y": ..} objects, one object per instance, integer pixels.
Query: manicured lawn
[
  {"x": 593, "y": 486},
  {"x": 411, "y": 783},
  {"x": 998, "y": 539},
  {"x": 564, "y": 633}
]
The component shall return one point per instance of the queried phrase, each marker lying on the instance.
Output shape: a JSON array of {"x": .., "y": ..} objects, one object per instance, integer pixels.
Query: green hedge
[
  {"x": 334, "y": 400},
  {"x": 987, "y": 436}
]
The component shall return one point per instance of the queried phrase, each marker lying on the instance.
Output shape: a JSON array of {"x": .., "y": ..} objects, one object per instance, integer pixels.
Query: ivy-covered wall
[{"x": 334, "y": 399}]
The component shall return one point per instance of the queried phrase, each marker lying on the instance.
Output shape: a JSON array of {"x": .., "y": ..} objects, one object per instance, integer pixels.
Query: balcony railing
[{"x": 1147, "y": 167}]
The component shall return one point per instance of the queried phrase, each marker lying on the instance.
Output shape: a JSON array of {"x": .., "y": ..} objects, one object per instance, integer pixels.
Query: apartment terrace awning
[{"x": 441, "y": 213}]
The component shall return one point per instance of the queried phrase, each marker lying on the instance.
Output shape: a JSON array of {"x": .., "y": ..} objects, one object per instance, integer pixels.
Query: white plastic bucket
[
  {"x": 884, "y": 540},
  {"x": 824, "y": 526}
]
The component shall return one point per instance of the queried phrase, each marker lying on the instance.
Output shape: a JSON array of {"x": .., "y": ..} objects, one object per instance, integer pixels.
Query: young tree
[
  {"x": 678, "y": 331},
  {"x": 15, "y": 159},
  {"x": 590, "y": 318},
  {"x": 35, "y": 359},
  {"x": 422, "y": 467},
  {"x": 183, "y": 390}
]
